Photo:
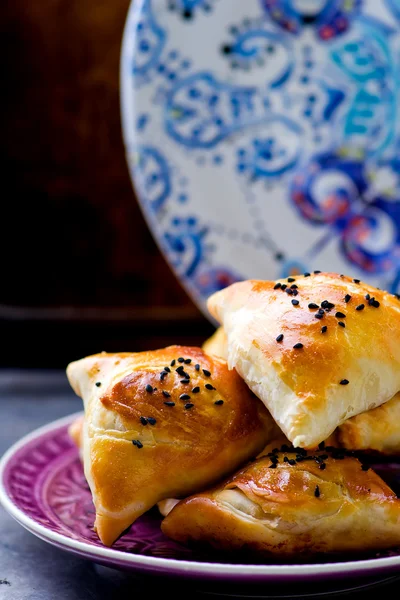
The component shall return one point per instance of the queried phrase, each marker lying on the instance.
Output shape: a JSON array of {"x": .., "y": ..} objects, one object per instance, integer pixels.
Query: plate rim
[{"x": 170, "y": 565}]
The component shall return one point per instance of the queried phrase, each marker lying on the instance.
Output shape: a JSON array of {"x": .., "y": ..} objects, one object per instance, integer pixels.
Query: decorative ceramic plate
[
  {"x": 43, "y": 487},
  {"x": 262, "y": 136}
]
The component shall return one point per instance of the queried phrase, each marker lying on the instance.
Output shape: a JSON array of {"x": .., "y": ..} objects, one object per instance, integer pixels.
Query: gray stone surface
[{"x": 31, "y": 569}]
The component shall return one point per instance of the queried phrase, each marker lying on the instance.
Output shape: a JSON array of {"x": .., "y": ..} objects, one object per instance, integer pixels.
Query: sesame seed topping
[
  {"x": 290, "y": 279},
  {"x": 294, "y": 286},
  {"x": 151, "y": 420},
  {"x": 143, "y": 420},
  {"x": 360, "y": 307},
  {"x": 367, "y": 296},
  {"x": 209, "y": 386},
  {"x": 375, "y": 303},
  {"x": 317, "y": 492},
  {"x": 184, "y": 397},
  {"x": 98, "y": 383},
  {"x": 316, "y": 272},
  {"x": 188, "y": 361},
  {"x": 291, "y": 461},
  {"x": 163, "y": 375},
  {"x": 306, "y": 274},
  {"x": 319, "y": 315},
  {"x": 277, "y": 286},
  {"x": 312, "y": 305},
  {"x": 272, "y": 466},
  {"x": 289, "y": 291},
  {"x": 295, "y": 292},
  {"x": 167, "y": 369},
  {"x": 298, "y": 346},
  {"x": 206, "y": 373},
  {"x": 197, "y": 367},
  {"x": 185, "y": 381},
  {"x": 341, "y": 323},
  {"x": 280, "y": 337},
  {"x": 180, "y": 369},
  {"x": 324, "y": 329},
  {"x": 166, "y": 394},
  {"x": 181, "y": 359},
  {"x": 344, "y": 382},
  {"x": 149, "y": 388},
  {"x": 189, "y": 405},
  {"x": 137, "y": 443},
  {"x": 295, "y": 302},
  {"x": 322, "y": 466},
  {"x": 172, "y": 363},
  {"x": 169, "y": 403},
  {"x": 356, "y": 280},
  {"x": 219, "y": 402},
  {"x": 340, "y": 315},
  {"x": 327, "y": 304},
  {"x": 347, "y": 298},
  {"x": 196, "y": 390},
  {"x": 283, "y": 286}
]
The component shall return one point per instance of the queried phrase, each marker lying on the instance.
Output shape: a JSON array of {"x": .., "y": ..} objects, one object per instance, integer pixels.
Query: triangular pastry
[
  {"x": 316, "y": 349},
  {"x": 292, "y": 503},
  {"x": 160, "y": 424}
]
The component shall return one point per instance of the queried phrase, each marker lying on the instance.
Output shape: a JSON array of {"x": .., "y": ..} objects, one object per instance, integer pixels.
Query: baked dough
[
  {"x": 158, "y": 428},
  {"x": 282, "y": 506},
  {"x": 216, "y": 344},
  {"x": 317, "y": 363}
]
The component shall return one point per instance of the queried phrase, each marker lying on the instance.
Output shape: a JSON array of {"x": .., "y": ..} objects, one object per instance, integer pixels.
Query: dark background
[{"x": 80, "y": 272}]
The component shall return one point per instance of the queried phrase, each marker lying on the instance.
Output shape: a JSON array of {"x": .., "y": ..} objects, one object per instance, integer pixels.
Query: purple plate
[{"x": 43, "y": 487}]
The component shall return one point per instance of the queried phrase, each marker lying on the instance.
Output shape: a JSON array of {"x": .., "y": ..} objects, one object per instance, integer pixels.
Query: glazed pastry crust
[
  {"x": 302, "y": 387},
  {"x": 178, "y": 450},
  {"x": 216, "y": 344},
  {"x": 292, "y": 510}
]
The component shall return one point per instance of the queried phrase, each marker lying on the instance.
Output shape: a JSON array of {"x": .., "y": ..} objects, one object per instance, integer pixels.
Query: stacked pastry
[{"x": 312, "y": 362}]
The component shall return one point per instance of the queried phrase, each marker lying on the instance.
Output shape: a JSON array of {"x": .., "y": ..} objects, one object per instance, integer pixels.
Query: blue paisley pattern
[{"x": 263, "y": 137}]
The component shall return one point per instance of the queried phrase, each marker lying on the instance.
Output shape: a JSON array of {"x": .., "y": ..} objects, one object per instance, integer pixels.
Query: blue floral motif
[
  {"x": 185, "y": 245},
  {"x": 213, "y": 279},
  {"x": 153, "y": 177},
  {"x": 394, "y": 7},
  {"x": 342, "y": 194},
  {"x": 330, "y": 18},
  {"x": 149, "y": 40},
  {"x": 200, "y": 111}
]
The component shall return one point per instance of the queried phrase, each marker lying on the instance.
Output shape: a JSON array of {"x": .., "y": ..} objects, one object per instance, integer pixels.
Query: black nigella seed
[
  {"x": 307, "y": 274},
  {"x": 298, "y": 346},
  {"x": 167, "y": 369},
  {"x": 316, "y": 272},
  {"x": 290, "y": 279},
  {"x": 340, "y": 315},
  {"x": 169, "y": 403},
  {"x": 218, "y": 402},
  {"x": 209, "y": 386},
  {"x": 356, "y": 280},
  {"x": 181, "y": 359},
  {"x": 280, "y": 337},
  {"x": 344, "y": 382},
  {"x": 277, "y": 286},
  {"x": 185, "y": 381},
  {"x": 360, "y": 307},
  {"x": 375, "y": 303},
  {"x": 294, "y": 286},
  {"x": 163, "y": 375},
  {"x": 341, "y": 324},
  {"x": 196, "y": 390},
  {"x": 179, "y": 369},
  {"x": 324, "y": 329},
  {"x": 197, "y": 367},
  {"x": 189, "y": 405},
  {"x": 291, "y": 461},
  {"x": 137, "y": 443},
  {"x": 327, "y": 305},
  {"x": 184, "y": 397},
  {"x": 289, "y": 291},
  {"x": 317, "y": 493},
  {"x": 151, "y": 420},
  {"x": 172, "y": 363},
  {"x": 272, "y": 466},
  {"x": 347, "y": 298},
  {"x": 295, "y": 302},
  {"x": 166, "y": 394},
  {"x": 285, "y": 459},
  {"x": 188, "y": 361},
  {"x": 98, "y": 383},
  {"x": 367, "y": 296},
  {"x": 295, "y": 292},
  {"x": 319, "y": 315},
  {"x": 312, "y": 305},
  {"x": 143, "y": 420},
  {"x": 283, "y": 286},
  {"x": 322, "y": 466},
  {"x": 149, "y": 388},
  {"x": 206, "y": 373}
]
